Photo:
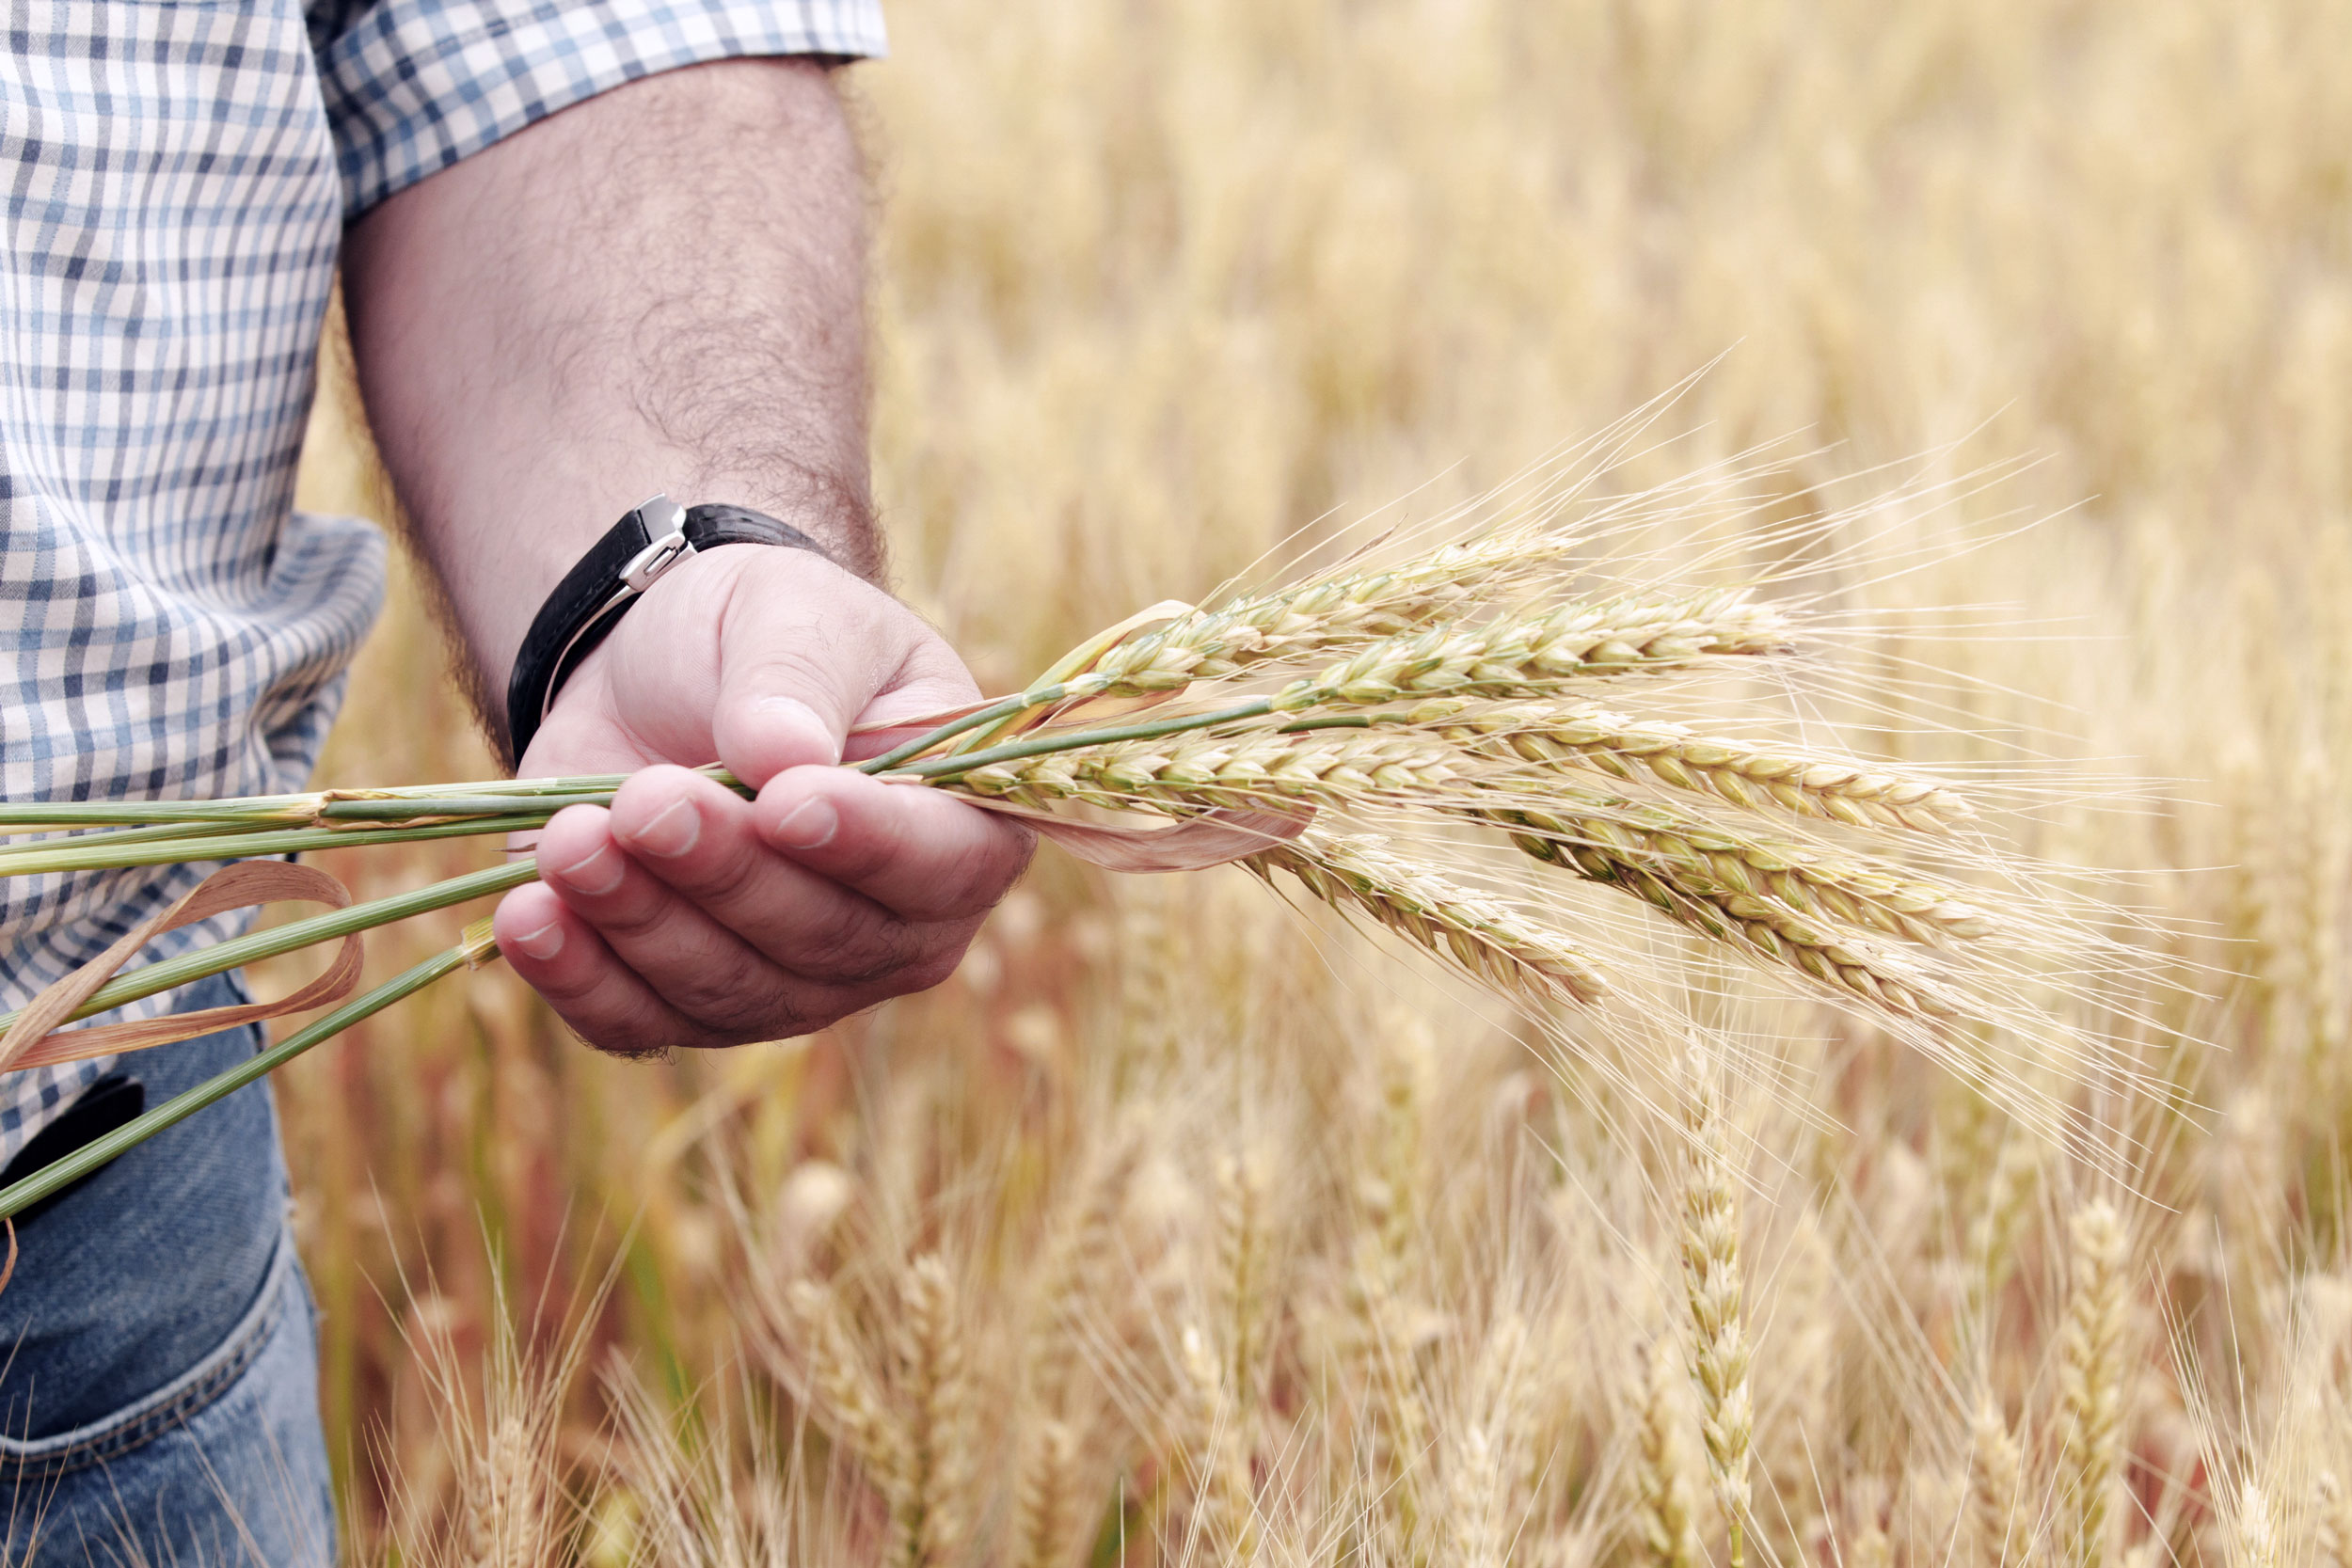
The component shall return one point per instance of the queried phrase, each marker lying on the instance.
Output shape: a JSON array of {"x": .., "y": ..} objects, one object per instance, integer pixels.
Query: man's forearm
[{"x": 662, "y": 288}]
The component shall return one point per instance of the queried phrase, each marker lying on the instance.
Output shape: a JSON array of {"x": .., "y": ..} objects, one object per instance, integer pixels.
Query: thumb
[{"x": 804, "y": 650}]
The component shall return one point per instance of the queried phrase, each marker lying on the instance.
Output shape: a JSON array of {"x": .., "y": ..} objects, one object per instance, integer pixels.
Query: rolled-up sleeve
[{"x": 413, "y": 86}]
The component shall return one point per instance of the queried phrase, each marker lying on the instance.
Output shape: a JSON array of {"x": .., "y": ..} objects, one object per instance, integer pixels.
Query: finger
[
  {"x": 561, "y": 957},
  {"x": 916, "y": 851},
  {"x": 692, "y": 962},
  {"x": 699, "y": 841}
]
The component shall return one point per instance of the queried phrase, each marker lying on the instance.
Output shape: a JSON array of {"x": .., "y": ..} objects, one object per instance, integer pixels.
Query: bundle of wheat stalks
[
  {"x": 1444, "y": 743},
  {"x": 1501, "y": 740}
]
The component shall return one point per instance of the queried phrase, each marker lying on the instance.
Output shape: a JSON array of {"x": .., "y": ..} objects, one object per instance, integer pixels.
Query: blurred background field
[{"x": 1160, "y": 284}]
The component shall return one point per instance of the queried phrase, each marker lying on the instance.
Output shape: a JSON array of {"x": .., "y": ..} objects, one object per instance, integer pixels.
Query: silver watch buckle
[{"x": 665, "y": 523}]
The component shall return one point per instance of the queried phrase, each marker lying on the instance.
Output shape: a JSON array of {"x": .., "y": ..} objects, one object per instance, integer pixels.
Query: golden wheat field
[{"x": 1185, "y": 1224}]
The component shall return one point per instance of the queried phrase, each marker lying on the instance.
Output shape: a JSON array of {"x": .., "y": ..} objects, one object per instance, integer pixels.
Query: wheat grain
[{"x": 1077, "y": 1257}]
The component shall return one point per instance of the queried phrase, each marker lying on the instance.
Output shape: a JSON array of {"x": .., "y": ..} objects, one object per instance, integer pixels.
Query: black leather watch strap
[{"x": 594, "y": 595}]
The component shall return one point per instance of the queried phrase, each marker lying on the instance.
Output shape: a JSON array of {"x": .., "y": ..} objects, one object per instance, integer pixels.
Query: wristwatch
[{"x": 634, "y": 554}]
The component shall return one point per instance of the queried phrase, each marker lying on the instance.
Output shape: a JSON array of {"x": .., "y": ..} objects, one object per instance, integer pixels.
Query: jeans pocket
[{"x": 47, "y": 1460}]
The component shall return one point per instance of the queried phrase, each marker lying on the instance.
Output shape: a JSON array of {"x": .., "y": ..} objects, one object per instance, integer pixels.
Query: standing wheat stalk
[
  {"x": 1711, "y": 1285},
  {"x": 930, "y": 1525},
  {"x": 1993, "y": 1465},
  {"x": 1218, "y": 1452},
  {"x": 1486, "y": 1461},
  {"x": 2091, "y": 1377},
  {"x": 1664, "y": 1509},
  {"x": 2254, "y": 1534},
  {"x": 506, "y": 1524},
  {"x": 847, "y": 1399}
]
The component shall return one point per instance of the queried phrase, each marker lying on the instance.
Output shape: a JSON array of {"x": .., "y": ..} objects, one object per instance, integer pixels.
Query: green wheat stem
[
  {"x": 255, "y": 844},
  {"x": 455, "y": 805},
  {"x": 220, "y": 957},
  {"x": 11, "y": 853},
  {"x": 1004, "y": 707},
  {"x": 56, "y": 1178},
  {"x": 937, "y": 770}
]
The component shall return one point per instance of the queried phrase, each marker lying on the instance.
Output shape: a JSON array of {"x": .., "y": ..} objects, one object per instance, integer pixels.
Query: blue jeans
[{"x": 160, "y": 1405}]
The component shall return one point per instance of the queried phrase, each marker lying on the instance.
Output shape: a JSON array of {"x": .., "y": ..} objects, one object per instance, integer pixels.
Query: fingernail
[
  {"x": 672, "y": 831},
  {"x": 796, "y": 731},
  {"x": 542, "y": 943},
  {"x": 597, "y": 872},
  {"x": 809, "y": 825}
]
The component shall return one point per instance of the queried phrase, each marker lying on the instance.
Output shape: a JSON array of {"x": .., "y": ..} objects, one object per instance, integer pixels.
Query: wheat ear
[
  {"x": 930, "y": 1520},
  {"x": 506, "y": 1523},
  {"x": 2091, "y": 1377},
  {"x": 1663, "y": 1513},
  {"x": 1479, "y": 1489},
  {"x": 1662, "y": 874},
  {"x": 1993, "y": 1465},
  {"x": 2253, "y": 1533},
  {"x": 1324, "y": 614},
  {"x": 1077, "y": 1255},
  {"x": 1746, "y": 773},
  {"x": 1711, "y": 860},
  {"x": 1527, "y": 655},
  {"x": 1711, "y": 1284},
  {"x": 1243, "y": 1253},
  {"x": 1044, "y": 1500},
  {"x": 1488, "y": 939},
  {"x": 1388, "y": 1182},
  {"x": 1999, "y": 1223},
  {"x": 1254, "y": 770},
  {"x": 847, "y": 1397},
  {"x": 1218, "y": 1450}
]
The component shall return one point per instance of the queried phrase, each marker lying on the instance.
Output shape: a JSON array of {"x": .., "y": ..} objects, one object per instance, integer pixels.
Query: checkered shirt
[{"x": 177, "y": 180}]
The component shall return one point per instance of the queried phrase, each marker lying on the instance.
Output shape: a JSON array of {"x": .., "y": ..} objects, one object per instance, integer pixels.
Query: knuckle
[
  {"x": 725, "y": 878},
  {"x": 723, "y": 991},
  {"x": 631, "y": 915}
]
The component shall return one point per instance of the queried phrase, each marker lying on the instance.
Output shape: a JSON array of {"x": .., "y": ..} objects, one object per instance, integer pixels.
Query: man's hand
[
  {"x": 662, "y": 289},
  {"x": 688, "y": 916}
]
